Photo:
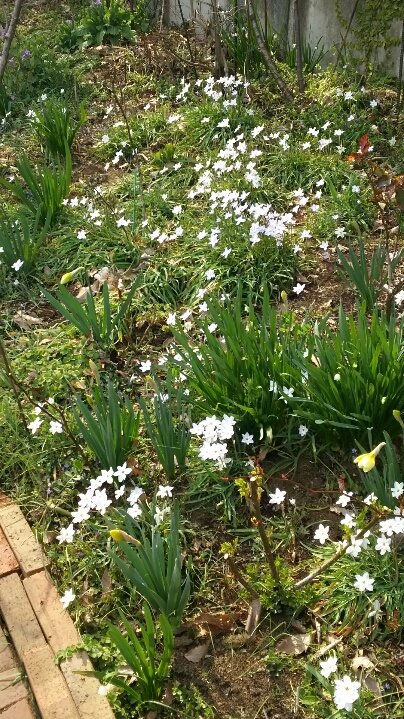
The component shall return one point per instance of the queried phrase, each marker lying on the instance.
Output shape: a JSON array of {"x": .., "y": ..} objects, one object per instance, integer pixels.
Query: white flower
[
  {"x": 135, "y": 495},
  {"x": 278, "y": 497},
  {"x": 134, "y": 511},
  {"x": 329, "y": 666},
  {"x": 81, "y": 235},
  {"x": 105, "y": 476},
  {"x": 164, "y": 491},
  {"x": 105, "y": 138},
  {"x": 348, "y": 95},
  {"x": 392, "y": 141},
  {"x": 288, "y": 392},
  {"x": 122, "y": 222},
  {"x": 66, "y": 534},
  {"x": 273, "y": 387},
  {"x": 122, "y": 471},
  {"x": 159, "y": 515},
  {"x": 344, "y": 499},
  {"x": 247, "y": 438},
  {"x": 299, "y": 288},
  {"x": 356, "y": 189},
  {"x": 363, "y": 582},
  {"x": 35, "y": 425},
  {"x": 210, "y": 274},
  {"x": 104, "y": 689},
  {"x": 340, "y": 232},
  {"x": 226, "y": 252},
  {"x": 346, "y": 693},
  {"x": 322, "y": 534},
  {"x": 68, "y": 597},
  {"x": 383, "y": 544},
  {"x": 355, "y": 548},
  {"x": 55, "y": 427},
  {"x": 17, "y": 265},
  {"x": 303, "y": 430},
  {"x": 145, "y": 366},
  {"x": 171, "y": 319},
  {"x": 397, "y": 490},
  {"x": 373, "y": 103},
  {"x": 120, "y": 492}
]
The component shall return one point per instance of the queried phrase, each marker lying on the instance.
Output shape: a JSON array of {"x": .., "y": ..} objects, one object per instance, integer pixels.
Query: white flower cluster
[
  {"x": 97, "y": 499},
  {"x": 55, "y": 427},
  {"x": 215, "y": 432},
  {"x": 346, "y": 690}
]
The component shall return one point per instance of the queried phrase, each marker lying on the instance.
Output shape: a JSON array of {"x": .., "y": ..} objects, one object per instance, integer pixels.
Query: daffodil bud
[
  {"x": 68, "y": 276},
  {"x": 397, "y": 416},
  {"x": 118, "y": 535}
]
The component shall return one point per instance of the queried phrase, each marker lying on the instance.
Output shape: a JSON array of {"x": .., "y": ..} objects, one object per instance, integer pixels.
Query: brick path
[{"x": 38, "y": 627}]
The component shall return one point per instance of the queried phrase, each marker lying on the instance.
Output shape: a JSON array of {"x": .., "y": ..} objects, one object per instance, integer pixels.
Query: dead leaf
[
  {"x": 341, "y": 510},
  {"x": 106, "y": 582},
  {"x": 182, "y": 641},
  {"x": 212, "y": 623},
  {"x": 26, "y": 322},
  {"x": 45, "y": 341},
  {"x": 79, "y": 384},
  {"x": 300, "y": 628},
  {"x": 362, "y": 663},
  {"x": 47, "y": 271},
  {"x": 253, "y": 617},
  {"x": 263, "y": 452},
  {"x": 81, "y": 295},
  {"x": 168, "y": 695},
  {"x": 196, "y": 654},
  {"x": 372, "y": 685},
  {"x": 294, "y": 644}
]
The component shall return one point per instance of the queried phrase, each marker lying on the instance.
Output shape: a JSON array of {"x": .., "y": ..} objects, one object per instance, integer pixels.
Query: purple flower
[
  {"x": 25, "y": 55},
  {"x": 12, "y": 97},
  {"x": 3, "y": 32},
  {"x": 69, "y": 22},
  {"x": 12, "y": 60},
  {"x": 95, "y": 3}
]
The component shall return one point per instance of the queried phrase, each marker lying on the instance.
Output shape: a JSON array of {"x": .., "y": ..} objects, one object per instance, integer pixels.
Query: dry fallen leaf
[
  {"x": 106, "y": 582},
  {"x": 372, "y": 685},
  {"x": 26, "y": 322},
  {"x": 294, "y": 644},
  {"x": 253, "y": 617},
  {"x": 362, "y": 663},
  {"x": 212, "y": 623},
  {"x": 196, "y": 654}
]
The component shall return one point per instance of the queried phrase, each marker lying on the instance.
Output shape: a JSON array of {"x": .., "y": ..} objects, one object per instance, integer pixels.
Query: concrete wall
[{"x": 318, "y": 19}]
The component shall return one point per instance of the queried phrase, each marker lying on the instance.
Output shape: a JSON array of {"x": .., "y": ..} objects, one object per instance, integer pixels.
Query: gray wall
[{"x": 318, "y": 19}]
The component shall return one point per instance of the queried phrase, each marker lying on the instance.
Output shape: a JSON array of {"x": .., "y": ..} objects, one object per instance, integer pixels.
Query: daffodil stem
[
  {"x": 313, "y": 575},
  {"x": 264, "y": 537}
]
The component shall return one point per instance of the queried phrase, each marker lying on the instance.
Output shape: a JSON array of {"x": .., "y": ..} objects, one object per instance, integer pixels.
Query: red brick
[
  {"x": 48, "y": 685},
  {"x": 6, "y": 655},
  {"x": 55, "y": 621},
  {"x": 84, "y": 689},
  {"x": 21, "y": 710},
  {"x": 11, "y": 693},
  {"x": 8, "y": 562},
  {"x": 18, "y": 615},
  {"x": 21, "y": 539}
]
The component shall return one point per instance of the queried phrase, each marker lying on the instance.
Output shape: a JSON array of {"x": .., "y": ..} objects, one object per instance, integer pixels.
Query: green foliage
[
  {"x": 382, "y": 484},
  {"x": 169, "y": 437},
  {"x": 372, "y": 26},
  {"x": 105, "y": 22},
  {"x": 45, "y": 188},
  {"x": 366, "y": 279},
  {"x": 84, "y": 317},
  {"x": 141, "y": 656},
  {"x": 233, "y": 376},
  {"x": 154, "y": 567},
  {"x": 110, "y": 427},
  {"x": 20, "y": 241},
  {"x": 345, "y": 607},
  {"x": 354, "y": 379},
  {"x": 55, "y": 126}
]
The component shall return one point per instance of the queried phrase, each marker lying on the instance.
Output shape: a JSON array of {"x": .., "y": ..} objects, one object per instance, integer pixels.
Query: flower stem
[{"x": 264, "y": 538}]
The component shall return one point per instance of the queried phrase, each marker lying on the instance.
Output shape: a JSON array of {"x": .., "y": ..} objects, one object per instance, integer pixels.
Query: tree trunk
[
  {"x": 298, "y": 40},
  {"x": 9, "y": 37},
  {"x": 268, "y": 62}
]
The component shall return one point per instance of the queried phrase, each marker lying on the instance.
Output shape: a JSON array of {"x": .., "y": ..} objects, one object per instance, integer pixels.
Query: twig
[
  {"x": 14, "y": 386},
  {"x": 298, "y": 40},
  {"x": 310, "y": 577},
  {"x": 268, "y": 62},
  {"x": 343, "y": 44},
  {"x": 265, "y": 541},
  {"x": 188, "y": 40},
  {"x": 237, "y": 575}
]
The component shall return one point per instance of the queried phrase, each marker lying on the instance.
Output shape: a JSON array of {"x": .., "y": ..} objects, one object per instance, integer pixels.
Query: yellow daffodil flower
[{"x": 367, "y": 461}]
